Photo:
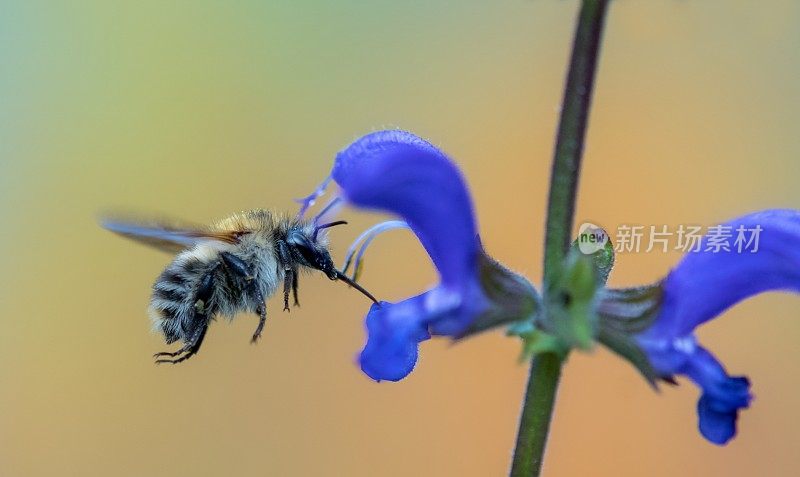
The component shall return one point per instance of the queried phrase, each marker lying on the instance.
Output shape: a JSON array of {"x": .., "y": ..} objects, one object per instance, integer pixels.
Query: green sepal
[
  {"x": 630, "y": 310},
  {"x": 603, "y": 258},
  {"x": 535, "y": 341},
  {"x": 625, "y": 346},
  {"x": 571, "y": 298},
  {"x": 511, "y": 297},
  {"x": 625, "y": 313}
]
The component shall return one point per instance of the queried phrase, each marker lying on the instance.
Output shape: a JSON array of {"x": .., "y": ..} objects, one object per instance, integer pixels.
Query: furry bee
[{"x": 230, "y": 267}]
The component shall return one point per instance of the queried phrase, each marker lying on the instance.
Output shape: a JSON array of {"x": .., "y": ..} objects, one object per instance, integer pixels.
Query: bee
[{"x": 230, "y": 267}]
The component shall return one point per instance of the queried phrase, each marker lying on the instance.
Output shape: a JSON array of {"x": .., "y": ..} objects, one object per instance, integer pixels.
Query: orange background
[{"x": 198, "y": 109}]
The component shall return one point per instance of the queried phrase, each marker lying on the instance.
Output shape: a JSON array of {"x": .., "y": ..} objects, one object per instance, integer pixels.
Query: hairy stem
[
  {"x": 546, "y": 368},
  {"x": 571, "y": 133},
  {"x": 535, "y": 421}
]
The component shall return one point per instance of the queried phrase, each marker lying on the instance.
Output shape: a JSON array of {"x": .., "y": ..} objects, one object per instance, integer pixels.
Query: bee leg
[
  {"x": 236, "y": 265},
  {"x": 285, "y": 258},
  {"x": 172, "y": 354},
  {"x": 262, "y": 319},
  {"x": 186, "y": 348},
  {"x": 294, "y": 288},
  {"x": 287, "y": 285},
  {"x": 190, "y": 348}
]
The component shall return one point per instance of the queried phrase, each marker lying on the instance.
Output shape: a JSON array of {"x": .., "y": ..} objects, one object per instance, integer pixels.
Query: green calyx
[
  {"x": 624, "y": 313},
  {"x": 570, "y": 298},
  {"x": 535, "y": 341},
  {"x": 511, "y": 297},
  {"x": 578, "y": 310},
  {"x": 571, "y": 295},
  {"x": 601, "y": 257}
]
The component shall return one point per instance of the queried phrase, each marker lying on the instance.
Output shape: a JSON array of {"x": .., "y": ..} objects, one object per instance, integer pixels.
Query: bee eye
[{"x": 302, "y": 244}]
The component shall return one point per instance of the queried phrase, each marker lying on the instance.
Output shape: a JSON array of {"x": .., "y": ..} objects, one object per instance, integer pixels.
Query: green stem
[
  {"x": 571, "y": 133},
  {"x": 546, "y": 368},
  {"x": 535, "y": 421}
]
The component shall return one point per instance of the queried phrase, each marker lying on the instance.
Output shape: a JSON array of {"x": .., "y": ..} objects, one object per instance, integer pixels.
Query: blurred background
[{"x": 199, "y": 109}]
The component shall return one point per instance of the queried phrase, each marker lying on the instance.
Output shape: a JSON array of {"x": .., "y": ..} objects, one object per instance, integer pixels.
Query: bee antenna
[
  {"x": 341, "y": 276},
  {"x": 328, "y": 225}
]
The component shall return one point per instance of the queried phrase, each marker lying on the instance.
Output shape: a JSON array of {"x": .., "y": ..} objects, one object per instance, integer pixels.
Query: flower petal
[
  {"x": 718, "y": 422},
  {"x": 396, "y": 329},
  {"x": 723, "y": 396},
  {"x": 706, "y": 283},
  {"x": 703, "y": 285},
  {"x": 394, "y": 333},
  {"x": 400, "y": 173}
]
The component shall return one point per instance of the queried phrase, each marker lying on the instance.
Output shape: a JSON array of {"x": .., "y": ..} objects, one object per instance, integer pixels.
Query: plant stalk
[{"x": 545, "y": 371}]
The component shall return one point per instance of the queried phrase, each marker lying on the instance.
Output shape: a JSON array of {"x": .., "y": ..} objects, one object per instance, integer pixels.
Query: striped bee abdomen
[{"x": 175, "y": 308}]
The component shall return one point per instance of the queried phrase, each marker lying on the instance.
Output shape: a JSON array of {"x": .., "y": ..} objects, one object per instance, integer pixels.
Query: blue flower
[
  {"x": 399, "y": 173},
  {"x": 703, "y": 285}
]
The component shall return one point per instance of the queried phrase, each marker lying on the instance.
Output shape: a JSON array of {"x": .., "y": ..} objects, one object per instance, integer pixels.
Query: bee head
[{"x": 310, "y": 253}]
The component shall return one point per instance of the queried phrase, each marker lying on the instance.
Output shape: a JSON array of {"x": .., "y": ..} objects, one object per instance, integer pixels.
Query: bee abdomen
[{"x": 172, "y": 303}]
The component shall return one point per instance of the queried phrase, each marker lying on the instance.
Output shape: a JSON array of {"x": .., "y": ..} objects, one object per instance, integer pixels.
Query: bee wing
[{"x": 169, "y": 236}]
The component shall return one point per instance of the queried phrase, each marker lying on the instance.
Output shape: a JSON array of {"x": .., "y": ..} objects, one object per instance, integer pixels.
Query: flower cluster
[{"x": 398, "y": 173}]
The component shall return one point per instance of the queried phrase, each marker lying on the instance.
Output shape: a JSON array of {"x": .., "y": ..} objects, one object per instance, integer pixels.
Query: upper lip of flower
[{"x": 399, "y": 173}]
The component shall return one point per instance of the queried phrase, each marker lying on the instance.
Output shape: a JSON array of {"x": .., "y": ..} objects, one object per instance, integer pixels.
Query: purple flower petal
[
  {"x": 703, "y": 285},
  {"x": 723, "y": 395},
  {"x": 396, "y": 329},
  {"x": 706, "y": 283},
  {"x": 394, "y": 332},
  {"x": 399, "y": 173}
]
